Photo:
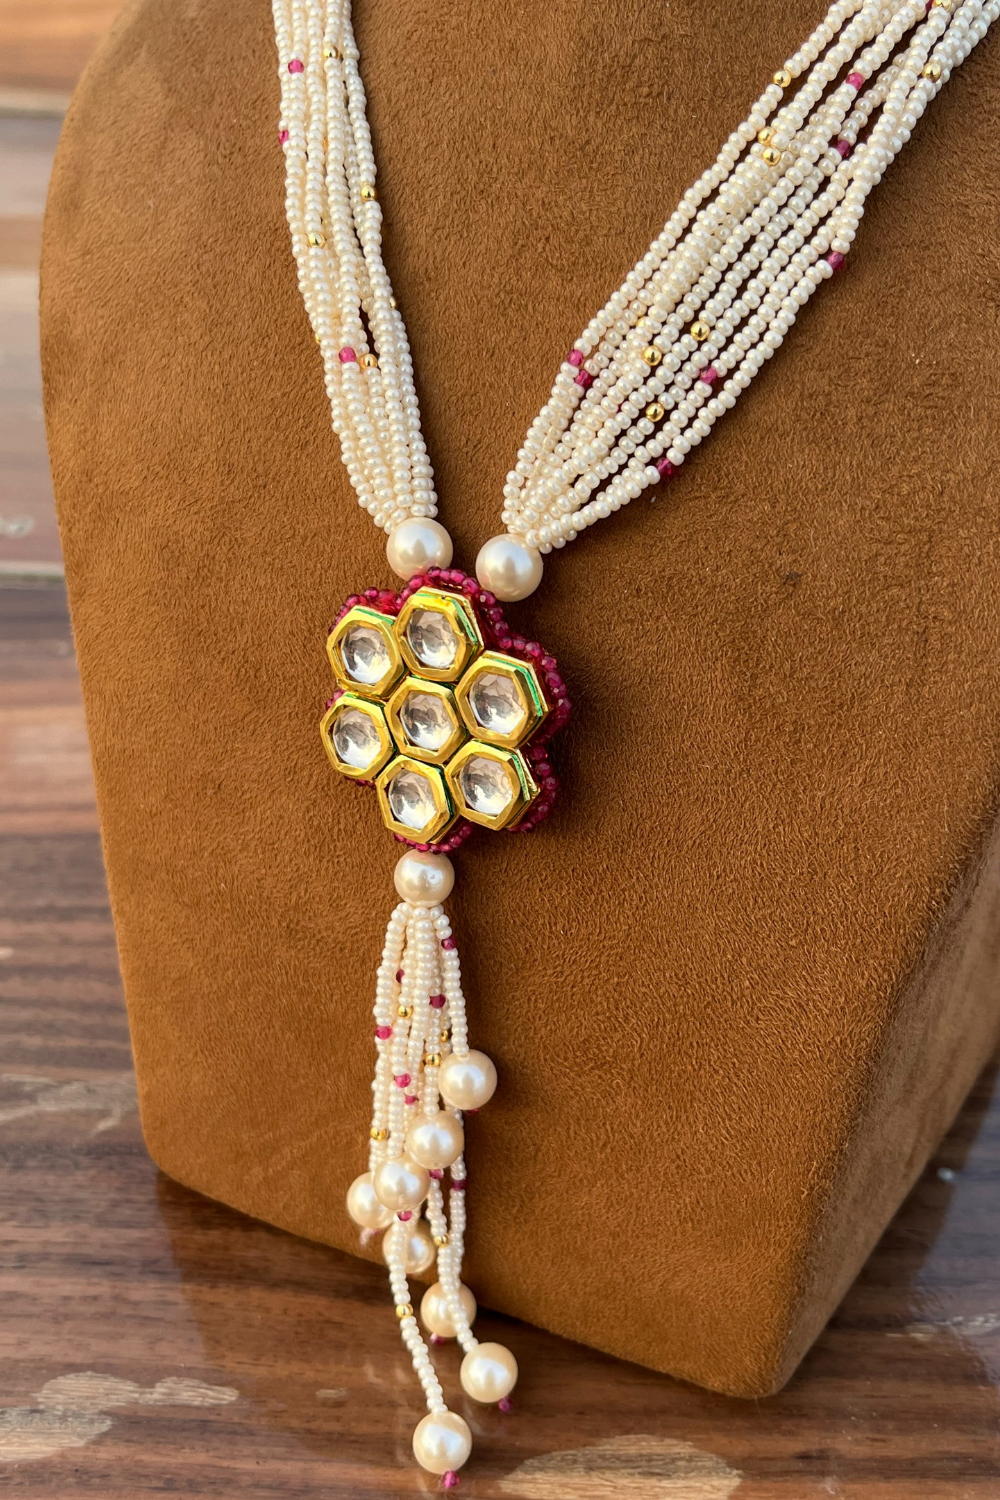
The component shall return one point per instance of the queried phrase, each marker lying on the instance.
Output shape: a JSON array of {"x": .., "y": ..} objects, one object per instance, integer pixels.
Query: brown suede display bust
[{"x": 738, "y": 984}]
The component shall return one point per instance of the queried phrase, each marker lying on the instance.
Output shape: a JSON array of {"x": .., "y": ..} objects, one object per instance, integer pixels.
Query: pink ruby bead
[
  {"x": 574, "y": 358},
  {"x": 710, "y": 376},
  {"x": 664, "y": 467},
  {"x": 856, "y": 80},
  {"x": 399, "y": 975},
  {"x": 506, "y": 1404},
  {"x": 436, "y": 1173},
  {"x": 583, "y": 380},
  {"x": 411, "y": 1099},
  {"x": 402, "y": 1080},
  {"x": 438, "y": 1002},
  {"x": 347, "y": 355},
  {"x": 383, "y": 1033},
  {"x": 295, "y": 66},
  {"x": 835, "y": 260},
  {"x": 844, "y": 147},
  {"x": 406, "y": 1215},
  {"x": 283, "y": 136},
  {"x": 449, "y": 945},
  {"x": 459, "y": 1184},
  {"x": 450, "y": 1480}
]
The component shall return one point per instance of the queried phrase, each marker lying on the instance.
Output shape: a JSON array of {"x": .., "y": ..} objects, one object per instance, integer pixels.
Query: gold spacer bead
[
  {"x": 782, "y": 78},
  {"x": 766, "y": 135},
  {"x": 404, "y": 1310},
  {"x": 652, "y": 355},
  {"x": 368, "y": 362},
  {"x": 368, "y": 193},
  {"x": 317, "y": 240},
  {"x": 942, "y": 5},
  {"x": 771, "y": 155},
  {"x": 404, "y": 1012},
  {"x": 441, "y": 1240},
  {"x": 393, "y": 303},
  {"x": 654, "y": 411},
  {"x": 931, "y": 70},
  {"x": 432, "y": 1060},
  {"x": 378, "y": 1135},
  {"x": 330, "y": 51},
  {"x": 699, "y": 331}
]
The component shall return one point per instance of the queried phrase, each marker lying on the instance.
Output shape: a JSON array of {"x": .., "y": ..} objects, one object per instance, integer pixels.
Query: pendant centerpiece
[{"x": 443, "y": 710}]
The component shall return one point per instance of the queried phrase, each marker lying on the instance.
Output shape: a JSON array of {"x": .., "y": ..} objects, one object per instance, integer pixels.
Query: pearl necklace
[{"x": 439, "y": 706}]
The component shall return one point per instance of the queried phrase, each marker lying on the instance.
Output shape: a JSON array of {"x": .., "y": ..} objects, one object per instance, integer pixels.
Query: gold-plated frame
[
  {"x": 445, "y": 813},
  {"x": 522, "y": 674},
  {"x": 522, "y": 784},
  {"x": 460, "y": 616},
  {"x": 434, "y": 690},
  {"x": 362, "y": 615},
  {"x": 375, "y": 713}
]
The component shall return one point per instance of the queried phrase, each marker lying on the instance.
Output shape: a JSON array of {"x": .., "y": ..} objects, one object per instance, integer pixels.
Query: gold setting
[
  {"x": 443, "y": 815},
  {"x": 459, "y": 615},
  {"x": 445, "y": 696},
  {"x": 525, "y": 684},
  {"x": 352, "y": 703},
  {"x": 520, "y": 781},
  {"x": 383, "y": 625}
]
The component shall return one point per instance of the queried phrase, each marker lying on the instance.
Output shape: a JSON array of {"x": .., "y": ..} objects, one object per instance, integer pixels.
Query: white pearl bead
[
  {"x": 364, "y": 1206},
  {"x": 435, "y": 1314},
  {"x": 467, "y": 1082},
  {"x": 418, "y": 544},
  {"x": 436, "y": 1140},
  {"x": 442, "y": 1442},
  {"x": 508, "y": 568},
  {"x": 424, "y": 879},
  {"x": 488, "y": 1373},
  {"x": 401, "y": 1184},
  {"x": 419, "y": 1248}
]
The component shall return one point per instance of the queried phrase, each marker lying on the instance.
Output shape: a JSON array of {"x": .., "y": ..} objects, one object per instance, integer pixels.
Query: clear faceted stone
[
  {"x": 432, "y": 639},
  {"x": 485, "y": 786},
  {"x": 425, "y": 720},
  {"x": 411, "y": 798},
  {"x": 355, "y": 739},
  {"x": 365, "y": 654},
  {"x": 496, "y": 703}
]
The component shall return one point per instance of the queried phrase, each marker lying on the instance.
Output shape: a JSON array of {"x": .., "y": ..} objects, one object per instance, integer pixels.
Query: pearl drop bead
[
  {"x": 442, "y": 1442},
  {"x": 401, "y": 1184},
  {"x": 418, "y": 544},
  {"x": 436, "y": 1140},
  {"x": 508, "y": 568},
  {"x": 488, "y": 1373},
  {"x": 364, "y": 1206},
  {"x": 419, "y": 1250},
  {"x": 424, "y": 879},
  {"x": 435, "y": 1314},
  {"x": 467, "y": 1082}
]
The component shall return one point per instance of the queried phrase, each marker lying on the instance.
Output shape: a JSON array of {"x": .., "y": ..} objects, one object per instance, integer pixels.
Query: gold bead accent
[
  {"x": 651, "y": 355},
  {"x": 404, "y": 1012},
  {"x": 368, "y": 362},
  {"x": 393, "y": 303},
  {"x": 441, "y": 1240},
  {"x": 654, "y": 411},
  {"x": 771, "y": 155},
  {"x": 432, "y": 1060},
  {"x": 317, "y": 240},
  {"x": 766, "y": 135},
  {"x": 931, "y": 70},
  {"x": 942, "y": 5},
  {"x": 368, "y": 193},
  {"x": 329, "y": 52},
  {"x": 782, "y": 78},
  {"x": 377, "y": 1134},
  {"x": 699, "y": 331},
  {"x": 404, "y": 1310}
]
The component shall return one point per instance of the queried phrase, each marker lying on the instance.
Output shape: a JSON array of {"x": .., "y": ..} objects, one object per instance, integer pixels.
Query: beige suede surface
[{"x": 728, "y": 984}]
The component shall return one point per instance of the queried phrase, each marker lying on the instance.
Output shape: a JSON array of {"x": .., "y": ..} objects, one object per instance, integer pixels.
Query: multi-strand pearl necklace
[{"x": 672, "y": 350}]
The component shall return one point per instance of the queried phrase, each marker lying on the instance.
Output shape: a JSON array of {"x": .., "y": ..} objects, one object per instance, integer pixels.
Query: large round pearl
[
  {"x": 488, "y": 1373},
  {"x": 419, "y": 1248},
  {"x": 434, "y": 1313},
  {"x": 424, "y": 879},
  {"x": 363, "y": 1205},
  {"x": 467, "y": 1082},
  {"x": 401, "y": 1184},
  {"x": 508, "y": 568},
  {"x": 436, "y": 1140},
  {"x": 416, "y": 545},
  {"x": 441, "y": 1442}
]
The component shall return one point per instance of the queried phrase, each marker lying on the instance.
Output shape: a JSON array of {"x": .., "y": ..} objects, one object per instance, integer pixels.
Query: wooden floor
[{"x": 154, "y": 1343}]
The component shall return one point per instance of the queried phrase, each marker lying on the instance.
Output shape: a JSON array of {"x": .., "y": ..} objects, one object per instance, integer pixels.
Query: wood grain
[{"x": 153, "y": 1342}]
